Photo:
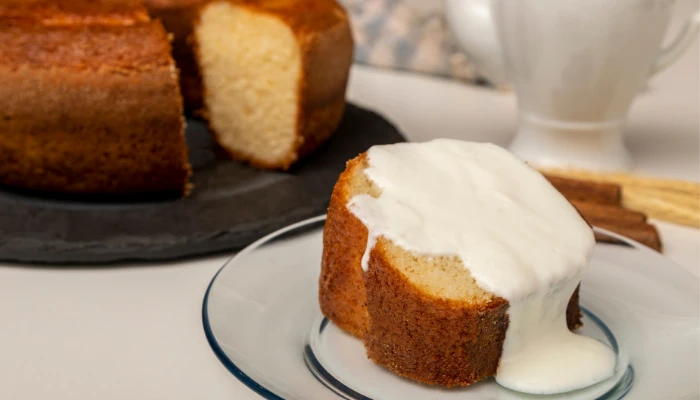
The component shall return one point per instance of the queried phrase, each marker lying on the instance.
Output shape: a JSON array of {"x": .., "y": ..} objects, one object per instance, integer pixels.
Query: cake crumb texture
[{"x": 274, "y": 75}]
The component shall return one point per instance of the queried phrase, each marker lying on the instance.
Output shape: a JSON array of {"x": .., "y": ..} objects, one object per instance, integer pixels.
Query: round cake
[{"x": 92, "y": 102}]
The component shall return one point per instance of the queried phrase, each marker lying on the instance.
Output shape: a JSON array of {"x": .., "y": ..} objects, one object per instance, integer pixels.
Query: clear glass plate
[{"x": 262, "y": 319}]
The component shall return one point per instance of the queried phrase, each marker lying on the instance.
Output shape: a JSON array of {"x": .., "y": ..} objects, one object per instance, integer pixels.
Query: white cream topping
[{"x": 519, "y": 238}]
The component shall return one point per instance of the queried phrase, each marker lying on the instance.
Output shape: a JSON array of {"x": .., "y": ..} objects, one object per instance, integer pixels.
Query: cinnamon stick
[
  {"x": 611, "y": 214},
  {"x": 664, "y": 199},
  {"x": 588, "y": 191},
  {"x": 599, "y": 203},
  {"x": 643, "y": 233}
]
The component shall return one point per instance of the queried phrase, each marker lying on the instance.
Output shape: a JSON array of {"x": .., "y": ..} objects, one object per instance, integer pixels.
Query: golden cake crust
[
  {"x": 428, "y": 339},
  {"x": 72, "y": 12},
  {"x": 325, "y": 32},
  {"x": 304, "y": 17},
  {"x": 90, "y": 109},
  {"x": 136, "y": 48},
  {"x": 410, "y": 332},
  {"x": 342, "y": 295}
]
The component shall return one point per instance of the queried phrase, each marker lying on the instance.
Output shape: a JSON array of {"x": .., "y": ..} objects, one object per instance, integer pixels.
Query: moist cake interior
[{"x": 251, "y": 84}]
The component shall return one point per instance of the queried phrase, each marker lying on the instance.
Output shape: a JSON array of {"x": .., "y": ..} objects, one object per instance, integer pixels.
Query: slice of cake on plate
[{"x": 454, "y": 262}]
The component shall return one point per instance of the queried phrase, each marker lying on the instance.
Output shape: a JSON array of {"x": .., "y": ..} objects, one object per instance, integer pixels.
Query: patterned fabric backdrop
[{"x": 408, "y": 35}]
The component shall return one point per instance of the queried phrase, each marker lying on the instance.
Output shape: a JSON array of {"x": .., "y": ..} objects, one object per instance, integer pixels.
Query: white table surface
[{"x": 135, "y": 332}]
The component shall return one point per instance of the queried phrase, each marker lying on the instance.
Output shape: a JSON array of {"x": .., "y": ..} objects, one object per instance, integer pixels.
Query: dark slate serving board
[{"x": 231, "y": 206}]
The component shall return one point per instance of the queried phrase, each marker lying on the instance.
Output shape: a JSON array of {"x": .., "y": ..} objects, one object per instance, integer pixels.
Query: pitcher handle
[{"x": 679, "y": 45}]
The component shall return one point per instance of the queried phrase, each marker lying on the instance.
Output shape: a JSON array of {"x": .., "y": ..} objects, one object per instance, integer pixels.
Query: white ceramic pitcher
[{"x": 576, "y": 66}]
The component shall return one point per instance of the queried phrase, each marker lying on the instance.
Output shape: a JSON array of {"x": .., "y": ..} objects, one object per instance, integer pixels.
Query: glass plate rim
[
  {"x": 220, "y": 354},
  {"x": 268, "y": 394}
]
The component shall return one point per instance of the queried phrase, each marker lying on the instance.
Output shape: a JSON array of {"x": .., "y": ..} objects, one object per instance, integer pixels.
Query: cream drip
[{"x": 519, "y": 238}]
